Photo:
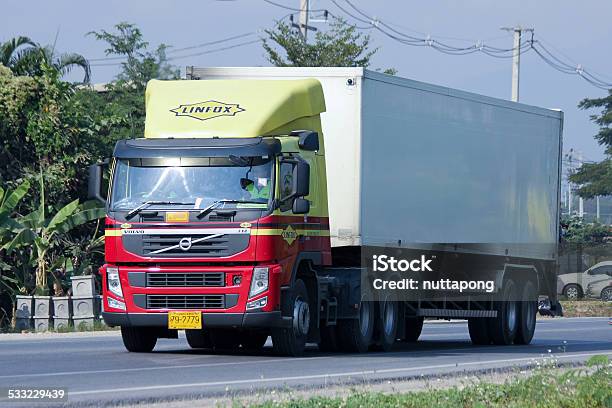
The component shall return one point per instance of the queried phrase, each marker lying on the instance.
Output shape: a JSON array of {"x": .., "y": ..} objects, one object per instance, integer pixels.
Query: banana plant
[{"x": 39, "y": 231}]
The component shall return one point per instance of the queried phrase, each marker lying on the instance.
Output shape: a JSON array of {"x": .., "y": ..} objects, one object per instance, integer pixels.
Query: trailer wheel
[
  {"x": 386, "y": 325},
  {"x": 292, "y": 340},
  {"x": 254, "y": 340},
  {"x": 503, "y": 328},
  {"x": 479, "y": 330},
  {"x": 329, "y": 338},
  {"x": 198, "y": 339},
  {"x": 355, "y": 335},
  {"x": 528, "y": 308},
  {"x": 414, "y": 327},
  {"x": 138, "y": 339}
]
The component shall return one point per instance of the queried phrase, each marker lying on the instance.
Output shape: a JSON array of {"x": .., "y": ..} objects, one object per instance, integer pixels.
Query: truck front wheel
[
  {"x": 138, "y": 339},
  {"x": 253, "y": 340},
  {"x": 198, "y": 339},
  {"x": 355, "y": 335},
  {"x": 291, "y": 341}
]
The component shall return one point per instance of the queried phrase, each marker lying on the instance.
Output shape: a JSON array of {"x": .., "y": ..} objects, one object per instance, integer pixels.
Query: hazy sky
[{"x": 580, "y": 30}]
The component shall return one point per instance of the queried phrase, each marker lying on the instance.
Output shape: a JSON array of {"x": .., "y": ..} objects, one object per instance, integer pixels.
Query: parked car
[{"x": 595, "y": 282}]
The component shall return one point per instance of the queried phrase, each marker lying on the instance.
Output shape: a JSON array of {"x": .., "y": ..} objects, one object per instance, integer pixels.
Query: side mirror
[
  {"x": 94, "y": 186},
  {"x": 301, "y": 188},
  {"x": 308, "y": 139},
  {"x": 301, "y": 206}
]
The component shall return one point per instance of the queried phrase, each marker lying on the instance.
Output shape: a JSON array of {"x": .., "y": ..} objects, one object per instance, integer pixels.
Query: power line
[{"x": 546, "y": 55}]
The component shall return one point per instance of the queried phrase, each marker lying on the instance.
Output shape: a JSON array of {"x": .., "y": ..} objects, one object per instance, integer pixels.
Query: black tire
[
  {"x": 253, "y": 340},
  {"x": 606, "y": 295},
  {"x": 528, "y": 308},
  {"x": 386, "y": 325},
  {"x": 355, "y": 335},
  {"x": 479, "y": 331},
  {"x": 198, "y": 339},
  {"x": 503, "y": 328},
  {"x": 329, "y": 338},
  {"x": 138, "y": 339},
  {"x": 414, "y": 327},
  {"x": 573, "y": 291},
  {"x": 291, "y": 341},
  {"x": 225, "y": 339}
]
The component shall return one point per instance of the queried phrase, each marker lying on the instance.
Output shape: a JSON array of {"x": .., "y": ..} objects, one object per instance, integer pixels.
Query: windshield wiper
[
  {"x": 219, "y": 202},
  {"x": 144, "y": 205}
]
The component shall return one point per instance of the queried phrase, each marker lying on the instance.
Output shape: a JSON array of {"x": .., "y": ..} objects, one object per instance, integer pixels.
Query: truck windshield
[{"x": 193, "y": 183}]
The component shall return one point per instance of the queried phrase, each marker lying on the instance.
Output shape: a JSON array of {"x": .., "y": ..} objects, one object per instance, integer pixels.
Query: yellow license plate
[{"x": 184, "y": 320}]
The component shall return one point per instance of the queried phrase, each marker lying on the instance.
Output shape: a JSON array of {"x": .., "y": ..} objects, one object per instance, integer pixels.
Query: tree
[
  {"x": 38, "y": 232},
  {"x": 596, "y": 178},
  {"x": 25, "y": 57},
  {"x": 9, "y": 50},
  {"x": 125, "y": 96},
  {"x": 141, "y": 65},
  {"x": 341, "y": 46}
]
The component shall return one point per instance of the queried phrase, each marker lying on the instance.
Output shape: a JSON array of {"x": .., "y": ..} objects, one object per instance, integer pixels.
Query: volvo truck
[{"x": 255, "y": 200}]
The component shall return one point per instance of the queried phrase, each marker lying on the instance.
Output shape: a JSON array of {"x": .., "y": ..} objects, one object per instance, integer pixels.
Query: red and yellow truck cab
[{"x": 209, "y": 215}]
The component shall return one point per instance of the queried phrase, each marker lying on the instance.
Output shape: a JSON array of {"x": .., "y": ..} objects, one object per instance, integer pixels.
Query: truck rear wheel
[
  {"x": 386, "y": 325},
  {"x": 528, "y": 308},
  {"x": 414, "y": 327},
  {"x": 138, "y": 339},
  {"x": 503, "y": 328},
  {"x": 479, "y": 330},
  {"x": 355, "y": 335},
  {"x": 291, "y": 341},
  {"x": 198, "y": 339}
]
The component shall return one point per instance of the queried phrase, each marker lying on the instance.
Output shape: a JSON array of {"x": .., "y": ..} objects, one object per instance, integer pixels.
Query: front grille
[
  {"x": 185, "y": 301},
  {"x": 209, "y": 247},
  {"x": 161, "y": 279}
]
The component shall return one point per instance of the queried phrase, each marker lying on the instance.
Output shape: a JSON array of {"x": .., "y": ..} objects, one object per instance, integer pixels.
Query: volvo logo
[{"x": 185, "y": 244}]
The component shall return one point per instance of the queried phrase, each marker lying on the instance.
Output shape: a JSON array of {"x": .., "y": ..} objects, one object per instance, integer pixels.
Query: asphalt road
[{"x": 97, "y": 370}]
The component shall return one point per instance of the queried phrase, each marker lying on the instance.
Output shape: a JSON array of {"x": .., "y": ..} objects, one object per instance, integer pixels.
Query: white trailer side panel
[
  {"x": 445, "y": 166},
  {"x": 419, "y": 165}
]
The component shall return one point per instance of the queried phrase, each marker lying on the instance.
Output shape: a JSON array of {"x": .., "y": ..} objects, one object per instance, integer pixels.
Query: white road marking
[
  {"x": 321, "y": 376},
  {"x": 121, "y": 370}
]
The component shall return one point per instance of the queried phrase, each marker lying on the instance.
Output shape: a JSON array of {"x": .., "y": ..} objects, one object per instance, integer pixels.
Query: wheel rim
[
  {"x": 511, "y": 313},
  {"x": 389, "y": 318},
  {"x": 571, "y": 293},
  {"x": 606, "y": 295},
  {"x": 301, "y": 317},
  {"x": 364, "y": 318}
]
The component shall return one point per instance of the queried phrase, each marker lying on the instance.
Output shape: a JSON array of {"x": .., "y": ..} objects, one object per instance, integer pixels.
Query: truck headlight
[
  {"x": 259, "y": 283},
  {"x": 112, "y": 280}
]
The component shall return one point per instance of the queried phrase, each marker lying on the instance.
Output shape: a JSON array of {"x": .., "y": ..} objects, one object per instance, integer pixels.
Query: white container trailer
[
  {"x": 419, "y": 170},
  {"x": 411, "y": 164}
]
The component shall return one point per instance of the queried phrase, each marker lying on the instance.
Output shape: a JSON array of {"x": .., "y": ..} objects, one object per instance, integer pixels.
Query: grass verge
[
  {"x": 576, "y": 388},
  {"x": 586, "y": 308}
]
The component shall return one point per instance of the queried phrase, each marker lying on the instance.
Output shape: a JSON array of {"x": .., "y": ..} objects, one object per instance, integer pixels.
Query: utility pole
[
  {"x": 303, "y": 20},
  {"x": 516, "y": 58}
]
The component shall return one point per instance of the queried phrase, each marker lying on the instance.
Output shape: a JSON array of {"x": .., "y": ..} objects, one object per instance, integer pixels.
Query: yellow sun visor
[{"x": 229, "y": 108}]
